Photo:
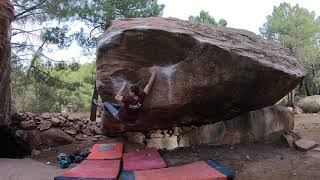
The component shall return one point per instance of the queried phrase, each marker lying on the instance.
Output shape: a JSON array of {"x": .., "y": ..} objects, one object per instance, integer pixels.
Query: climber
[{"x": 132, "y": 104}]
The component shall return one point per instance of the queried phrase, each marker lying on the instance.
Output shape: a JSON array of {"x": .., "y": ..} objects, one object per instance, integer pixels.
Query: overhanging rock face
[{"x": 205, "y": 74}]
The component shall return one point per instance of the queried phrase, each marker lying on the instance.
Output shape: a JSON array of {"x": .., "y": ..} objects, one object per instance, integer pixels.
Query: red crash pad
[
  {"x": 141, "y": 160},
  {"x": 196, "y": 171},
  {"x": 93, "y": 169},
  {"x": 106, "y": 151}
]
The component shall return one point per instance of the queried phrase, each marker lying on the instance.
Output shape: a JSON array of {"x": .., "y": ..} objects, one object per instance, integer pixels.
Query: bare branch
[
  {"x": 27, "y": 15},
  {"x": 46, "y": 57},
  {"x": 38, "y": 6},
  {"x": 21, "y": 31},
  {"x": 94, "y": 29}
]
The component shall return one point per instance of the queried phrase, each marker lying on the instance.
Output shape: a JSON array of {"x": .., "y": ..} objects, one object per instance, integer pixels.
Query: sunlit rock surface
[
  {"x": 205, "y": 74},
  {"x": 267, "y": 124}
]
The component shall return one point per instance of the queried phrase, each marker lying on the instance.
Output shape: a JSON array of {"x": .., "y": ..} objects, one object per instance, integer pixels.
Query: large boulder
[
  {"x": 310, "y": 104},
  {"x": 34, "y": 139},
  {"x": 55, "y": 137},
  {"x": 6, "y": 16},
  {"x": 30, "y": 139},
  {"x": 203, "y": 72}
]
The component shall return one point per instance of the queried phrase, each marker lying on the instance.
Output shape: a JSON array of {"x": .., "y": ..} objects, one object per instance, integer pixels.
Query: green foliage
[
  {"x": 295, "y": 27},
  {"x": 299, "y": 30},
  {"x": 40, "y": 84},
  {"x": 97, "y": 14},
  {"x": 70, "y": 87},
  {"x": 204, "y": 17}
]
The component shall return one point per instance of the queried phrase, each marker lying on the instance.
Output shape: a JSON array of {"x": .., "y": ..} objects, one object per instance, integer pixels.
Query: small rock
[
  {"x": 28, "y": 125},
  {"x": 94, "y": 139},
  {"x": 71, "y": 124},
  {"x": 70, "y": 118},
  {"x": 247, "y": 157},
  {"x": 177, "y": 131},
  {"x": 156, "y": 134},
  {"x": 46, "y": 115},
  {"x": 48, "y": 163},
  {"x": 289, "y": 140},
  {"x": 97, "y": 130},
  {"x": 62, "y": 118},
  {"x": 80, "y": 138},
  {"x": 55, "y": 121},
  {"x": 87, "y": 131},
  {"x": 298, "y": 110},
  {"x": 29, "y": 114},
  {"x": 80, "y": 123},
  {"x": 291, "y": 137},
  {"x": 48, "y": 149},
  {"x": 56, "y": 115},
  {"x": 305, "y": 145},
  {"x": 99, "y": 136},
  {"x": 76, "y": 127},
  {"x": 35, "y": 152},
  {"x": 45, "y": 125},
  {"x": 64, "y": 115},
  {"x": 294, "y": 174},
  {"x": 231, "y": 147},
  {"x": 70, "y": 131}
]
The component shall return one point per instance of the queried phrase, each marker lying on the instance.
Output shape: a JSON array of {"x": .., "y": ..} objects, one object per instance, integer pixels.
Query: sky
[{"x": 241, "y": 14}]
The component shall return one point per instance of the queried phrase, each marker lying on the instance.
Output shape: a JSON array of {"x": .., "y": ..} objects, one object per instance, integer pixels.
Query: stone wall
[
  {"x": 267, "y": 124},
  {"x": 35, "y": 131}
]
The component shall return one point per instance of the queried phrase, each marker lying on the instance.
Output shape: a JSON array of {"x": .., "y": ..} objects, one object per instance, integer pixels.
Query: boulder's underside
[{"x": 205, "y": 74}]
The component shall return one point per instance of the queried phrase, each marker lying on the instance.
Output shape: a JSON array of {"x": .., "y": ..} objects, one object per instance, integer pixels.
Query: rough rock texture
[
  {"x": 267, "y": 124},
  {"x": 310, "y": 104},
  {"x": 55, "y": 137},
  {"x": 34, "y": 131},
  {"x": 305, "y": 145},
  {"x": 298, "y": 110},
  {"x": 203, "y": 72},
  {"x": 6, "y": 16}
]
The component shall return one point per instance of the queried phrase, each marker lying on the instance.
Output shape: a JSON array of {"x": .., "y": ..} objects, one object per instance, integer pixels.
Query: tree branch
[
  {"x": 94, "y": 29},
  {"x": 21, "y": 31},
  {"x": 27, "y": 15},
  {"x": 32, "y": 61},
  {"x": 38, "y": 6}
]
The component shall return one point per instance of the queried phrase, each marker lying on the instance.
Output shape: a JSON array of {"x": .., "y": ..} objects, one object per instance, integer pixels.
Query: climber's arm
[
  {"x": 150, "y": 83},
  {"x": 119, "y": 93}
]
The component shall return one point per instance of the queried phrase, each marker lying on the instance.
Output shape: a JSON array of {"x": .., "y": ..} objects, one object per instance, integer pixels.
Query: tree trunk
[
  {"x": 291, "y": 97},
  {"x": 6, "y": 16},
  {"x": 93, "y": 113},
  {"x": 306, "y": 87}
]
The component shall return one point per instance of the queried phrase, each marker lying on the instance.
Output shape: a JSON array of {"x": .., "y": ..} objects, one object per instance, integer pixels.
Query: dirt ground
[{"x": 249, "y": 161}]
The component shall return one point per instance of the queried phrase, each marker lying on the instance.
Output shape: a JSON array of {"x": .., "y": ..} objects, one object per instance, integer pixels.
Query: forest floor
[{"x": 249, "y": 161}]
